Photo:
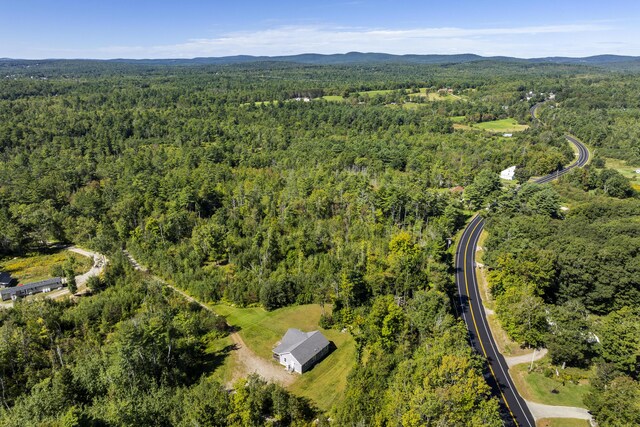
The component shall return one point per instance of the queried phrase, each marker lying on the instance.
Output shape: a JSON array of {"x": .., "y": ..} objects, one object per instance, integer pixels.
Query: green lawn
[
  {"x": 621, "y": 166},
  {"x": 226, "y": 366},
  {"x": 377, "y": 92},
  {"x": 259, "y": 103},
  {"x": 504, "y": 125},
  {"x": 261, "y": 330},
  {"x": 629, "y": 171},
  {"x": 562, "y": 422},
  {"x": 333, "y": 98},
  {"x": 435, "y": 96},
  {"x": 38, "y": 266},
  {"x": 536, "y": 387},
  {"x": 457, "y": 119}
]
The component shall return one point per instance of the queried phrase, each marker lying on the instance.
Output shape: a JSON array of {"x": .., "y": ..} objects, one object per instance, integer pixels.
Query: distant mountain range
[
  {"x": 365, "y": 58},
  {"x": 368, "y": 58}
]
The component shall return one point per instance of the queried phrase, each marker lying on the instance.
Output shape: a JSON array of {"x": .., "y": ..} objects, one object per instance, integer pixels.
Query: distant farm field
[
  {"x": 333, "y": 98},
  {"x": 431, "y": 96},
  {"x": 261, "y": 330},
  {"x": 504, "y": 125},
  {"x": 496, "y": 126}
]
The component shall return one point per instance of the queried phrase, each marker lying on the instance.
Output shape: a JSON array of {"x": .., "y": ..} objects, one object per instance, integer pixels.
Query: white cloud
[{"x": 526, "y": 41}]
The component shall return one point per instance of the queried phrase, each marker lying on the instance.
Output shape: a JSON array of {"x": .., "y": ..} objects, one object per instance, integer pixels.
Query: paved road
[{"x": 514, "y": 409}]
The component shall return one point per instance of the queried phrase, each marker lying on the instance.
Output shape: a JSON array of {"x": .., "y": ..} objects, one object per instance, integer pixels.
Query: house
[
  {"x": 507, "y": 135},
  {"x": 5, "y": 279},
  {"x": 508, "y": 173},
  {"x": 299, "y": 351},
  {"x": 31, "y": 288}
]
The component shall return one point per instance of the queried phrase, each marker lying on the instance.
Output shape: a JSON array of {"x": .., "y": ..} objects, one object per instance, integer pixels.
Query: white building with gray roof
[{"x": 299, "y": 351}]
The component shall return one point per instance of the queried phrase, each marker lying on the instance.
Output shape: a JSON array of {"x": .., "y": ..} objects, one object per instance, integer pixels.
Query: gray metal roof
[
  {"x": 47, "y": 282},
  {"x": 302, "y": 345},
  {"x": 291, "y": 339},
  {"x": 32, "y": 286},
  {"x": 5, "y": 278}
]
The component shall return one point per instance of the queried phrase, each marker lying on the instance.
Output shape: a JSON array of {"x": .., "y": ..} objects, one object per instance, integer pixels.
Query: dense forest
[{"x": 220, "y": 181}]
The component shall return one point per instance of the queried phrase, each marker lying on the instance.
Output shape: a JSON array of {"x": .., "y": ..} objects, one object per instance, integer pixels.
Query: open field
[
  {"x": 629, "y": 171},
  {"x": 377, "y": 92},
  {"x": 536, "y": 387},
  {"x": 434, "y": 96},
  {"x": 333, "y": 98},
  {"x": 37, "y": 267},
  {"x": 562, "y": 422},
  {"x": 504, "y": 125},
  {"x": 261, "y": 330},
  {"x": 496, "y": 126}
]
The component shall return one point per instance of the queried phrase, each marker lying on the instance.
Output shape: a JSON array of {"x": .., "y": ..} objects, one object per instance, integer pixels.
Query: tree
[
  {"x": 615, "y": 184},
  {"x": 618, "y": 404},
  {"x": 569, "y": 339},
  {"x": 94, "y": 283},
  {"x": 206, "y": 404},
  {"x": 484, "y": 184},
  {"x": 619, "y": 335},
  {"x": 71, "y": 281},
  {"x": 429, "y": 313},
  {"x": 522, "y": 315}
]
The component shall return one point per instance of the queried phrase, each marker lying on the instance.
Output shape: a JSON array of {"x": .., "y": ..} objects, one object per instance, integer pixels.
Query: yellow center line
[{"x": 473, "y": 318}]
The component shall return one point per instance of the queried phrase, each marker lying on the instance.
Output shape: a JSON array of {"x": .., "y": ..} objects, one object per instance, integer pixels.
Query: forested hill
[{"x": 607, "y": 61}]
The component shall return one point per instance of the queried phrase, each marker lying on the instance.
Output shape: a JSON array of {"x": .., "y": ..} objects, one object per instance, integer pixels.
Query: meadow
[{"x": 39, "y": 266}]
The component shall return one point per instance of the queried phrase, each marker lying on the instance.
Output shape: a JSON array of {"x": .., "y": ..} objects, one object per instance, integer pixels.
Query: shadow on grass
[
  {"x": 215, "y": 360},
  {"x": 332, "y": 348}
]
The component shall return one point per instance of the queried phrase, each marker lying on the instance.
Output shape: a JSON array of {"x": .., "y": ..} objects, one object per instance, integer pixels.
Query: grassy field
[
  {"x": 562, "y": 422},
  {"x": 227, "y": 365},
  {"x": 259, "y": 103},
  {"x": 536, "y": 387},
  {"x": 373, "y": 93},
  {"x": 261, "y": 330},
  {"x": 457, "y": 119},
  {"x": 434, "y": 96},
  {"x": 37, "y": 267},
  {"x": 504, "y": 125},
  {"x": 496, "y": 126},
  {"x": 628, "y": 171},
  {"x": 431, "y": 96},
  {"x": 333, "y": 98}
]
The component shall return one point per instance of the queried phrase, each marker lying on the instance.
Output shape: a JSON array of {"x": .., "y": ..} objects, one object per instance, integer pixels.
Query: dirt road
[{"x": 248, "y": 361}]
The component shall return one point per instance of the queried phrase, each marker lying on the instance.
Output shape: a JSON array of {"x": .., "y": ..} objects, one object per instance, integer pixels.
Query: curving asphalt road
[{"x": 514, "y": 409}]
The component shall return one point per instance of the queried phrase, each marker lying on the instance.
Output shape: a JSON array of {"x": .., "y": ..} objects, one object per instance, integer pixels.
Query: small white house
[
  {"x": 508, "y": 173},
  {"x": 299, "y": 351},
  {"x": 637, "y": 170},
  {"x": 507, "y": 135}
]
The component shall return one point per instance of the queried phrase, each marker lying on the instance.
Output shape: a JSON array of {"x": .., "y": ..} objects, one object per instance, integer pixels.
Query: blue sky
[{"x": 190, "y": 28}]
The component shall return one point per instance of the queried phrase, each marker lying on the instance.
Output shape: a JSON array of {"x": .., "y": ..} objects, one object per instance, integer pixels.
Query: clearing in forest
[
  {"x": 260, "y": 330},
  {"x": 496, "y": 126},
  {"x": 40, "y": 266}
]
